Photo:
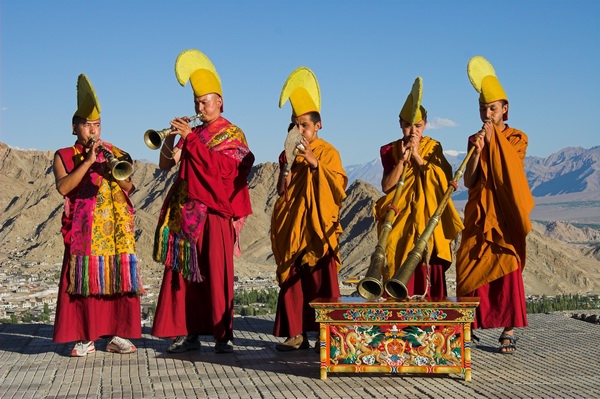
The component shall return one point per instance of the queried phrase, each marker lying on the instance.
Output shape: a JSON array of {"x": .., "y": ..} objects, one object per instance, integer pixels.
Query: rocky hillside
[
  {"x": 565, "y": 262},
  {"x": 572, "y": 170}
]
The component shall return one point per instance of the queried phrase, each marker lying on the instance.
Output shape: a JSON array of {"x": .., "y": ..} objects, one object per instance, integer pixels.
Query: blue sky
[{"x": 365, "y": 54}]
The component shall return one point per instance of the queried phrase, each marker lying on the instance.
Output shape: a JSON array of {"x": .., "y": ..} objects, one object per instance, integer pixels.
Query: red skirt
[
  {"x": 206, "y": 307},
  {"x": 418, "y": 282},
  {"x": 501, "y": 303},
  {"x": 80, "y": 318},
  {"x": 304, "y": 284}
]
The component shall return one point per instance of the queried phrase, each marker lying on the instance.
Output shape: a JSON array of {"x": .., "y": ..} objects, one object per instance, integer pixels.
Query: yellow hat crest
[
  {"x": 88, "y": 106},
  {"x": 483, "y": 78},
  {"x": 412, "y": 110},
  {"x": 194, "y": 66},
  {"x": 302, "y": 89}
]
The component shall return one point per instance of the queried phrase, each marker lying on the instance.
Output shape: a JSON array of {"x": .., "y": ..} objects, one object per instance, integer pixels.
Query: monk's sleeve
[
  {"x": 331, "y": 177},
  {"x": 434, "y": 180},
  {"x": 326, "y": 191},
  {"x": 387, "y": 158},
  {"x": 507, "y": 155},
  {"x": 216, "y": 179}
]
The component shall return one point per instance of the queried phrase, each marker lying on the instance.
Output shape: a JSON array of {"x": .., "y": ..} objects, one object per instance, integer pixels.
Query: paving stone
[{"x": 557, "y": 356}]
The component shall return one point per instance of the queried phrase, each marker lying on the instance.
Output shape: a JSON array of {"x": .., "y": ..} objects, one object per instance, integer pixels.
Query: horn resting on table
[
  {"x": 396, "y": 287},
  {"x": 371, "y": 286}
]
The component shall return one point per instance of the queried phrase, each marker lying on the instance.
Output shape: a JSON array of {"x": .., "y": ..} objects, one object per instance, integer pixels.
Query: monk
[
  {"x": 202, "y": 216},
  {"x": 491, "y": 256},
  {"x": 305, "y": 225},
  {"x": 426, "y": 180},
  {"x": 100, "y": 281}
]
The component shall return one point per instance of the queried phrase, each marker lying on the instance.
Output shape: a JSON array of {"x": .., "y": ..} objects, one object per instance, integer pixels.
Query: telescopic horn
[
  {"x": 396, "y": 287},
  {"x": 371, "y": 286},
  {"x": 120, "y": 170},
  {"x": 154, "y": 138}
]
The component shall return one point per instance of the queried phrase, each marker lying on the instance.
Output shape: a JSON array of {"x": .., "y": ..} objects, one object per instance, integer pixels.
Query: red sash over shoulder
[{"x": 216, "y": 162}]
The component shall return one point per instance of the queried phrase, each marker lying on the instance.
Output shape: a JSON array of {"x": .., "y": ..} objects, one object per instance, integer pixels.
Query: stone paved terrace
[{"x": 557, "y": 357}]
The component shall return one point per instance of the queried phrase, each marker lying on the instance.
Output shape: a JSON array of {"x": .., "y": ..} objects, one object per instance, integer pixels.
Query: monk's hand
[
  {"x": 92, "y": 152},
  {"x": 305, "y": 151},
  {"x": 488, "y": 128},
  {"x": 410, "y": 148},
  {"x": 181, "y": 127},
  {"x": 477, "y": 140},
  {"x": 413, "y": 142}
]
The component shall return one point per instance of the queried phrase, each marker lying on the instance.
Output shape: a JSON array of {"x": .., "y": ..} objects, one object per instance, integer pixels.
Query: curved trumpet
[
  {"x": 396, "y": 287},
  {"x": 371, "y": 286},
  {"x": 120, "y": 170},
  {"x": 154, "y": 138}
]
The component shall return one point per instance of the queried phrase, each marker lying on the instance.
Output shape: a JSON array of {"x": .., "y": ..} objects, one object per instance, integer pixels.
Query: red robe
[
  {"x": 80, "y": 318},
  {"x": 217, "y": 178}
]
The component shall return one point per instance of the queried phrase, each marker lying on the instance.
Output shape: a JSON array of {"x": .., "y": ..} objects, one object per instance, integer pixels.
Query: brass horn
[
  {"x": 154, "y": 138},
  {"x": 396, "y": 287},
  {"x": 120, "y": 170},
  {"x": 371, "y": 286}
]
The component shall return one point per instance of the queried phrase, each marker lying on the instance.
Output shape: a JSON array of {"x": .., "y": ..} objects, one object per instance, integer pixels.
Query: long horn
[
  {"x": 371, "y": 286},
  {"x": 120, "y": 170},
  {"x": 396, "y": 287},
  {"x": 154, "y": 138}
]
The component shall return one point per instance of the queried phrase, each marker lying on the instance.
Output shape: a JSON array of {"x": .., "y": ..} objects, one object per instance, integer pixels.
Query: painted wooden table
[{"x": 388, "y": 336}]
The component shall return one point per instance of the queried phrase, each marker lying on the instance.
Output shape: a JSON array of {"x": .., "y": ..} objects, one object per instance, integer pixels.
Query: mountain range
[
  {"x": 570, "y": 170},
  {"x": 563, "y": 252}
]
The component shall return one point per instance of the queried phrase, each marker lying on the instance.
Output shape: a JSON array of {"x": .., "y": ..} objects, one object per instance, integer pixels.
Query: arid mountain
[
  {"x": 561, "y": 259},
  {"x": 568, "y": 233},
  {"x": 572, "y": 170}
]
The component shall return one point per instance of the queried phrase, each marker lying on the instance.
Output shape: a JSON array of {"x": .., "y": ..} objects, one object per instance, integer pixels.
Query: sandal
[
  {"x": 509, "y": 347},
  {"x": 292, "y": 343}
]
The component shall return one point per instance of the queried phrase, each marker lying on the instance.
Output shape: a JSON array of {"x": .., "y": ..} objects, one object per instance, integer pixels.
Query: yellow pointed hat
[
  {"x": 194, "y": 66},
  {"x": 302, "y": 89},
  {"x": 484, "y": 80},
  {"x": 412, "y": 110},
  {"x": 88, "y": 106}
]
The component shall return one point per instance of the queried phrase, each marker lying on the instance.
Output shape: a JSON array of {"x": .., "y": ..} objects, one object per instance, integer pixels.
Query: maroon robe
[
  {"x": 501, "y": 303},
  {"x": 80, "y": 318},
  {"x": 302, "y": 285},
  {"x": 216, "y": 177}
]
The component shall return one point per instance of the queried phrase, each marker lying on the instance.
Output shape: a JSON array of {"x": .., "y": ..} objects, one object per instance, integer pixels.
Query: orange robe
[
  {"x": 305, "y": 230},
  {"x": 306, "y": 221},
  {"x": 496, "y": 214},
  {"x": 421, "y": 195}
]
